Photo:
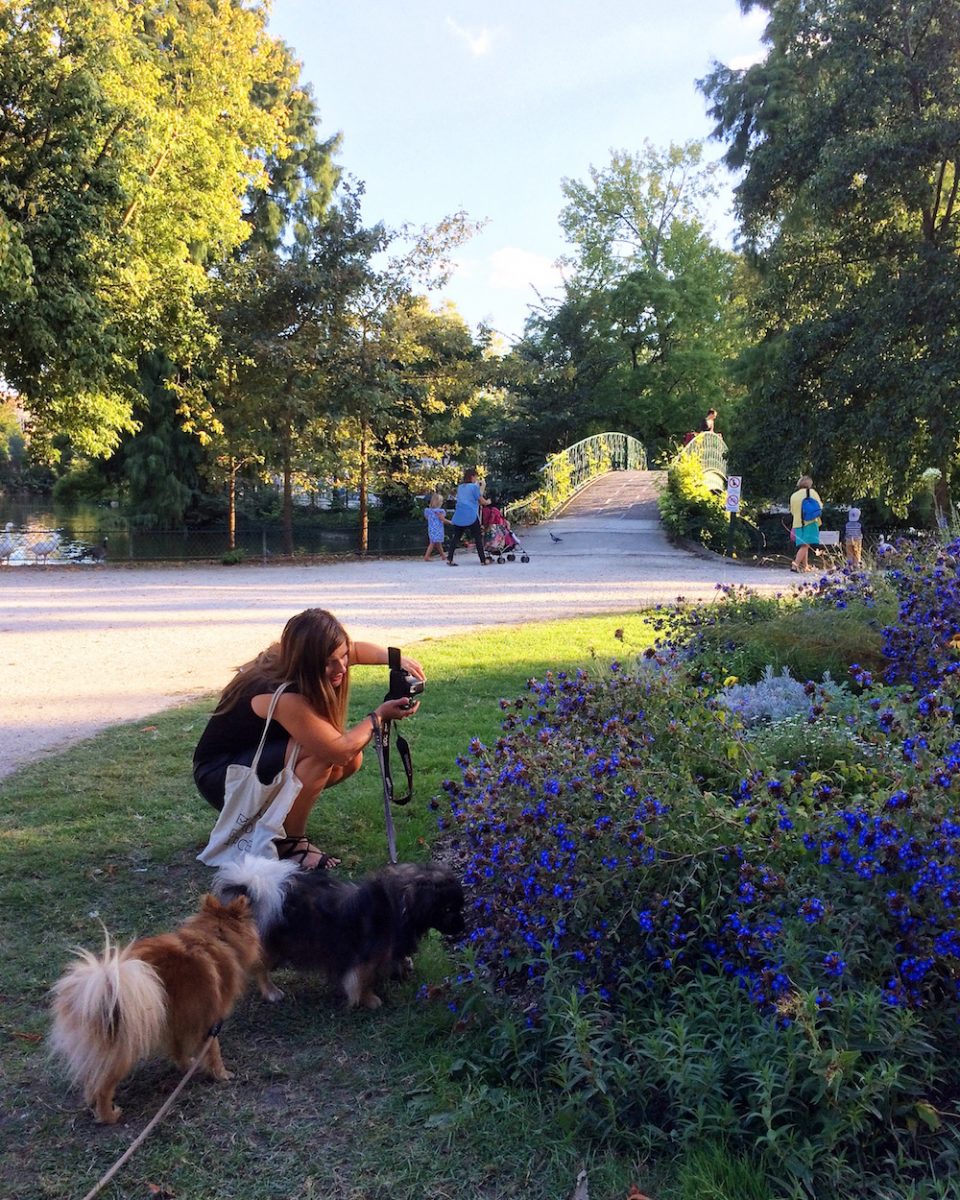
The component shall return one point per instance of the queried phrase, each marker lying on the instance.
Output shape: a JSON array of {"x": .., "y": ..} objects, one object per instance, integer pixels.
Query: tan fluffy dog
[{"x": 161, "y": 993}]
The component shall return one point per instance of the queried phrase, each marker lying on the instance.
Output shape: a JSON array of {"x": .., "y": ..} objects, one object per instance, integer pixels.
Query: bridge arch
[
  {"x": 569, "y": 470},
  {"x": 710, "y": 450}
]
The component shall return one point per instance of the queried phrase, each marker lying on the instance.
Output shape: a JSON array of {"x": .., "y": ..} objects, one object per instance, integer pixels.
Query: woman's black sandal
[{"x": 287, "y": 847}]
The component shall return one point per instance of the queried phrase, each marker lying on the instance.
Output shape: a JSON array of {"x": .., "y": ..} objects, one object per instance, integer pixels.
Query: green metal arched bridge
[{"x": 569, "y": 471}]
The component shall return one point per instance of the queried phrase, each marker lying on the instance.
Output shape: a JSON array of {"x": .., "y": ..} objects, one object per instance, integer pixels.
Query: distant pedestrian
[
  {"x": 436, "y": 519},
  {"x": 806, "y": 509},
  {"x": 853, "y": 538},
  {"x": 710, "y": 420},
  {"x": 466, "y": 516}
]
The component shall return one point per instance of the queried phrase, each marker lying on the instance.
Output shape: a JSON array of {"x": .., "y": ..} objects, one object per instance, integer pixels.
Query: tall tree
[
  {"x": 648, "y": 322},
  {"x": 323, "y": 368},
  {"x": 637, "y": 228},
  {"x": 847, "y": 137},
  {"x": 223, "y": 400},
  {"x": 366, "y": 360},
  {"x": 60, "y": 188},
  {"x": 129, "y": 135},
  {"x": 432, "y": 372},
  {"x": 160, "y": 465}
]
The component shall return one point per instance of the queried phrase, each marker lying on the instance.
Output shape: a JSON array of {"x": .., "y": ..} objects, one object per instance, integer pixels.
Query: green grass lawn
[{"x": 325, "y": 1103}]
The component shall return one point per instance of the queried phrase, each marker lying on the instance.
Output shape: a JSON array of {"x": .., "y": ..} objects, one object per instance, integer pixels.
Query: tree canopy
[
  {"x": 134, "y": 141},
  {"x": 847, "y": 135},
  {"x": 647, "y": 324}
]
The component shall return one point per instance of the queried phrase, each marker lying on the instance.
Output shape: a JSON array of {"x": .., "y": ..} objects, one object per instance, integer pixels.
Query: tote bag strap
[{"x": 266, "y": 725}]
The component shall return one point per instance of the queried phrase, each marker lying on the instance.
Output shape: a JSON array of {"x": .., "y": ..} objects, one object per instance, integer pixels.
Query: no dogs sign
[{"x": 733, "y": 493}]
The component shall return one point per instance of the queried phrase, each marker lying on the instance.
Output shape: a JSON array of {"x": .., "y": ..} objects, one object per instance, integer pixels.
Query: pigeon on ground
[{"x": 553, "y": 537}]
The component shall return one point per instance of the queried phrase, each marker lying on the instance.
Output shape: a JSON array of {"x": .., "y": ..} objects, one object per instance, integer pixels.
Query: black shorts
[{"x": 211, "y": 776}]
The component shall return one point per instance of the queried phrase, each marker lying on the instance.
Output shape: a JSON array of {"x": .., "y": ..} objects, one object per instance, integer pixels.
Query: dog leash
[
  {"x": 381, "y": 739},
  {"x": 164, "y": 1109}
]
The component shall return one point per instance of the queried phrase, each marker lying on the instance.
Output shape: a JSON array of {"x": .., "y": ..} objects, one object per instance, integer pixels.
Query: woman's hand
[
  {"x": 369, "y": 654},
  {"x": 396, "y": 710},
  {"x": 412, "y": 666}
]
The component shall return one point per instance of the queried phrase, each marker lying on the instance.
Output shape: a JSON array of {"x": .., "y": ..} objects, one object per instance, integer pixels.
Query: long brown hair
[{"x": 300, "y": 658}]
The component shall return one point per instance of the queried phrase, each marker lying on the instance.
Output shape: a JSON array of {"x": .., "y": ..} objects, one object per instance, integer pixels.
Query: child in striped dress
[{"x": 853, "y": 538}]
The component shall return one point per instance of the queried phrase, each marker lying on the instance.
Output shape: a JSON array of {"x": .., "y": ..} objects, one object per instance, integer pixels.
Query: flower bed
[{"x": 699, "y": 927}]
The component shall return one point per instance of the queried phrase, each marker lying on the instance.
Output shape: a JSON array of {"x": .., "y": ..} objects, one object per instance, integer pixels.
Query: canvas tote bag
[{"x": 253, "y": 812}]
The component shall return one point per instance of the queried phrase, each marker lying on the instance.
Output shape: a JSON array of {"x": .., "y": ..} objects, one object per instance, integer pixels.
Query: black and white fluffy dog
[{"x": 354, "y": 933}]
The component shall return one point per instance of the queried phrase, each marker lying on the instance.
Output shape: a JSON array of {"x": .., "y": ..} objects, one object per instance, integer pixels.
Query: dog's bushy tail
[
  {"x": 264, "y": 881},
  {"x": 109, "y": 1011}
]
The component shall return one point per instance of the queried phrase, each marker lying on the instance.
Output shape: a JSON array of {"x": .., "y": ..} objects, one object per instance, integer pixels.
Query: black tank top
[{"x": 237, "y": 729}]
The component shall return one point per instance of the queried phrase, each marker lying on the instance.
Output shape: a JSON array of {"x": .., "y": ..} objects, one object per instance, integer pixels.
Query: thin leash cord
[
  {"x": 164, "y": 1109},
  {"x": 387, "y": 814}
]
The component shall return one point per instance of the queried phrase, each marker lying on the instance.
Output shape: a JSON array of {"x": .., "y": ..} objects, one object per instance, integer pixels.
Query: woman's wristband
[{"x": 375, "y": 722}]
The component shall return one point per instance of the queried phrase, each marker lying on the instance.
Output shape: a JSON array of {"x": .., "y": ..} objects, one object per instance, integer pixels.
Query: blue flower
[{"x": 833, "y": 964}]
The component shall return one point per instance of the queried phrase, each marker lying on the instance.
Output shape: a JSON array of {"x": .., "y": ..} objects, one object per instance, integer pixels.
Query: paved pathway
[{"x": 85, "y": 647}]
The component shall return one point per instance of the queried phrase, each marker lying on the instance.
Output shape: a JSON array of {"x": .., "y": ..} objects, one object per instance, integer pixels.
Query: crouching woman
[{"x": 313, "y": 659}]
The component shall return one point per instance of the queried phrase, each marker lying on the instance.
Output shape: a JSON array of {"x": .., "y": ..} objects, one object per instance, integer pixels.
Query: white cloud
[
  {"x": 754, "y": 21},
  {"x": 740, "y": 62},
  {"x": 513, "y": 269},
  {"x": 746, "y": 28},
  {"x": 478, "y": 41}
]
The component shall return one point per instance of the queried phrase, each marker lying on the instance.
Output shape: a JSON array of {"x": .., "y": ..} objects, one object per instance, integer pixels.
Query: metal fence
[
  {"x": 565, "y": 473},
  {"x": 26, "y": 547}
]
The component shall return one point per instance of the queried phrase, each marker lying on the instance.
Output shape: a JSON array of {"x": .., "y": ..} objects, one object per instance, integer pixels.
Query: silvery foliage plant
[{"x": 774, "y": 697}]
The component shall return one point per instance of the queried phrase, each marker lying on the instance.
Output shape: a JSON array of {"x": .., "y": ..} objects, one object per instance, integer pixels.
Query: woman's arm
[
  {"x": 319, "y": 736},
  {"x": 369, "y": 654}
]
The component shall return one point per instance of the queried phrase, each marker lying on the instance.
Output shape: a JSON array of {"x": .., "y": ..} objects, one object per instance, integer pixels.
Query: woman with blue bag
[{"x": 806, "y": 511}]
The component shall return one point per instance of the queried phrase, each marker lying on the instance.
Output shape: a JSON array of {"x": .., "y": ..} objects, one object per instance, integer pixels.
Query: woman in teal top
[{"x": 466, "y": 516}]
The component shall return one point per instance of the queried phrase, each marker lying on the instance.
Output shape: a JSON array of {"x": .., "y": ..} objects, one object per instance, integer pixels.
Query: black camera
[{"x": 403, "y": 685}]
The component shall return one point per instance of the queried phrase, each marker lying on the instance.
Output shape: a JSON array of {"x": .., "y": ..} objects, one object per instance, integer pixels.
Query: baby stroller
[{"x": 498, "y": 539}]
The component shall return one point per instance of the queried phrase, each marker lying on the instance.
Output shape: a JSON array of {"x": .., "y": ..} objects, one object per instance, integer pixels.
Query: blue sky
[{"x": 487, "y": 108}]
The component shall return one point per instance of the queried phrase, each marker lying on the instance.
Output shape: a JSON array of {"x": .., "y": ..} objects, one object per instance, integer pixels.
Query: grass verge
[{"x": 324, "y": 1103}]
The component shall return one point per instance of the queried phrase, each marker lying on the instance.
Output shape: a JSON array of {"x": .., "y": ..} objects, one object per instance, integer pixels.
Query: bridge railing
[
  {"x": 711, "y": 451},
  {"x": 565, "y": 473}
]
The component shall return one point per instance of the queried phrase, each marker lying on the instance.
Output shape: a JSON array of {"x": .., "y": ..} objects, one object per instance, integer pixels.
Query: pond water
[
  {"x": 44, "y": 532},
  {"x": 37, "y": 530}
]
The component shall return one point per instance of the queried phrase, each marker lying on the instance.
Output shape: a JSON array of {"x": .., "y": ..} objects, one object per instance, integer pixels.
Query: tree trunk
[
  {"x": 287, "y": 494},
  {"x": 364, "y": 518},
  {"x": 232, "y": 503}
]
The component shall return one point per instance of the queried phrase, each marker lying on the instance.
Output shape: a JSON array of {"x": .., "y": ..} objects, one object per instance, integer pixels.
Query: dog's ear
[
  {"x": 238, "y": 907},
  {"x": 420, "y": 900}
]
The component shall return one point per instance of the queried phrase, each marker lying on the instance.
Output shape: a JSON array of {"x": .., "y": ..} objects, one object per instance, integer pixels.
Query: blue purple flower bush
[{"x": 696, "y": 936}]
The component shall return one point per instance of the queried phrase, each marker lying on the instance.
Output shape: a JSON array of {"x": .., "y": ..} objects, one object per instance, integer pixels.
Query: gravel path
[{"x": 82, "y": 648}]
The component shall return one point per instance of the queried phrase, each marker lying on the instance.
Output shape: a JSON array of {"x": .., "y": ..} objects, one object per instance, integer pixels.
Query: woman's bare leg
[{"x": 316, "y": 776}]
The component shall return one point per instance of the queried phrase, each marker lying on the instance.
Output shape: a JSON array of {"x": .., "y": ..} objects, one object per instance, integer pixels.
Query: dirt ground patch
[{"x": 84, "y": 648}]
